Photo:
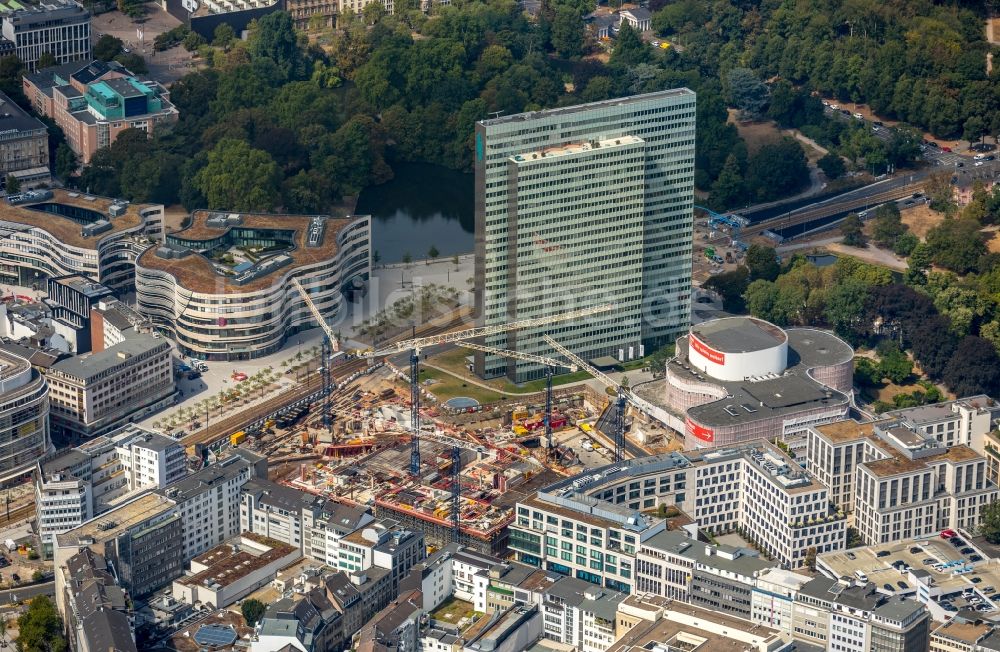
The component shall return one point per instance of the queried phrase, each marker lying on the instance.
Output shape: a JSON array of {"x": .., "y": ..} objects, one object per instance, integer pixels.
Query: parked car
[
  {"x": 882, "y": 553},
  {"x": 975, "y": 558},
  {"x": 915, "y": 550},
  {"x": 858, "y": 116}
]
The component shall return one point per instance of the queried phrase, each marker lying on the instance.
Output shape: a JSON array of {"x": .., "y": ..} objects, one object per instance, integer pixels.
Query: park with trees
[{"x": 297, "y": 122}]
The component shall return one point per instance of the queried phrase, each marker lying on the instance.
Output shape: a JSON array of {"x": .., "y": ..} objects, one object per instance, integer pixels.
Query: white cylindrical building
[{"x": 738, "y": 348}]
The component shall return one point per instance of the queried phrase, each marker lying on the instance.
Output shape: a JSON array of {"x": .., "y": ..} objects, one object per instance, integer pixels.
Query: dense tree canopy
[{"x": 40, "y": 629}]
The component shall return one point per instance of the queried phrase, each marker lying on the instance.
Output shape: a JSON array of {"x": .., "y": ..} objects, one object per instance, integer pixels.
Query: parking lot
[
  {"x": 165, "y": 67},
  {"x": 961, "y": 574}
]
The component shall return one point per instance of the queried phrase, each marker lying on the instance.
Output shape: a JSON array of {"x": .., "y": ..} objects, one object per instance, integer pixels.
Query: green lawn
[
  {"x": 454, "y": 361},
  {"x": 452, "y": 611},
  {"x": 449, "y": 386}
]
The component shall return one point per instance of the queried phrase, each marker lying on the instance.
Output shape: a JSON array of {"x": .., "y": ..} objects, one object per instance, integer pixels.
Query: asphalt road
[
  {"x": 27, "y": 592},
  {"x": 606, "y": 424}
]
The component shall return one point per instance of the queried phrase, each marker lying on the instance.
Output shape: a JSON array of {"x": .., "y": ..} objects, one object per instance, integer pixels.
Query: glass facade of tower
[{"x": 582, "y": 206}]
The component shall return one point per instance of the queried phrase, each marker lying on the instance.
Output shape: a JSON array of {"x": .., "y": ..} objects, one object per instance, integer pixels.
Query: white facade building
[
  {"x": 964, "y": 421},
  {"x": 78, "y": 484},
  {"x": 209, "y": 503},
  {"x": 61, "y": 28},
  {"x": 900, "y": 482},
  {"x": 43, "y": 237},
  {"x": 591, "y": 526},
  {"x": 773, "y": 598},
  {"x": 190, "y": 296},
  {"x": 94, "y": 394}
]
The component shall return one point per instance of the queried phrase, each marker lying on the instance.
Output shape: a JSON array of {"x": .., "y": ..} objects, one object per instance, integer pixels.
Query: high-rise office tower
[{"x": 582, "y": 206}]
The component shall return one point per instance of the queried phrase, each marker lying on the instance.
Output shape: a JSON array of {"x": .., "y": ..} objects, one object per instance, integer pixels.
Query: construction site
[{"x": 452, "y": 469}]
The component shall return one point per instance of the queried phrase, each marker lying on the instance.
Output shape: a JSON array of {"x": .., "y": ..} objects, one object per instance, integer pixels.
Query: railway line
[
  {"x": 827, "y": 209},
  {"x": 17, "y": 514}
]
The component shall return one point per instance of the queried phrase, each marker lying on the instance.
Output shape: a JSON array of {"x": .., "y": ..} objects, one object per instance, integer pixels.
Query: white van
[{"x": 861, "y": 575}]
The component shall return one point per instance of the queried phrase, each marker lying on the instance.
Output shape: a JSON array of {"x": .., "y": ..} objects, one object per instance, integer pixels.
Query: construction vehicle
[
  {"x": 623, "y": 395},
  {"x": 237, "y": 438},
  {"x": 462, "y": 337},
  {"x": 550, "y": 370}
]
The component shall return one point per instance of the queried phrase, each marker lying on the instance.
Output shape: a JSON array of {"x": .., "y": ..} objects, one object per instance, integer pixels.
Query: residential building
[
  {"x": 149, "y": 539},
  {"x": 962, "y": 421},
  {"x": 490, "y": 584},
  {"x": 233, "y": 570},
  {"x": 59, "y": 27},
  {"x": 737, "y": 379},
  {"x": 56, "y": 232},
  {"x": 276, "y": 511},
  {"x": 961, "y": 635},
  {"x": 71, "y": 298},
  {"x": 24, "y": 146},
  {"x": 858, "y": 618},
  {"x": 592, "y": 525},
  {"x": 98, "y": 614},
  {"x": 77, "y": 484},
  {"x": 187, "y": 292},
  {"x": 346, "y": 7},
  {"x": 312, "y": 624},
  {"x": 964, "y": 188},
  {"x": 773, "y": 599},
  {"x": 384, "y": 545},
  {"x": 306, "y": 12},
  {"x": 538, "y": 257},
  {"x": 721, "y": 578},
  {"x": 580, "y": 614},
  {"x": 208, "y": 501},
  {"x": 510, "y": 631},
  {"x": 647, "y": 622},
  {"x": 328, "y": 527},
  {"x": 906, "y": 482},
  {"x": 24, "y": 407},
  {"x": 359, "y": 595},
  {"x": 991, "y": 452},
  {"x": 143, "y": 540},
  {"x": 96, "y": 393},
  {"x": 111, "y": 321},
  {"x": 94, "y": 101},
  {"x": 396, "y": 628},
  {"x": 205, "y": 16}
]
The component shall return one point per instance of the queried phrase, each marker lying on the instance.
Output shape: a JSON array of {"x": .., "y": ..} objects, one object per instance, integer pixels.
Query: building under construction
[{"x": 427, "y": 503}]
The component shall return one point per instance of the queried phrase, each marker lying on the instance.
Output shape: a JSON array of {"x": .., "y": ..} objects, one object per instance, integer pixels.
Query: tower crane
[
  {"x": 331, "y": 344},
  {"x": 623, "y": 394},
  {"x": 416, "y": 344},
  {"x": 550, "y": 368}
]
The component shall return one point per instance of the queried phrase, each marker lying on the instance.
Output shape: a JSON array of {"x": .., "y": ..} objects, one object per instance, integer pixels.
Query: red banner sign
[
  {"x": 715, "y": 356},
  {"x": 701, "y": 432}
]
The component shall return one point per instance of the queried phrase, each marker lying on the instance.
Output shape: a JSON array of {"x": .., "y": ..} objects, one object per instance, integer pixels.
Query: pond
[
  {"x": 423, "y": 206},
  {"x": 821, "y": 260}
]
